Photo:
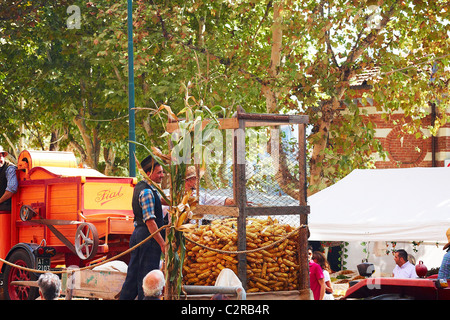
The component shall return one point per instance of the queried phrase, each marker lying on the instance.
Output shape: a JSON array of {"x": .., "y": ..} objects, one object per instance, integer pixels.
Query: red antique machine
[{"x": 61, "y": 215}]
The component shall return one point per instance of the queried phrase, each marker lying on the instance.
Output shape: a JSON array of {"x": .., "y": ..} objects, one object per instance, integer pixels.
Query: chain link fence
[
  {"x": 271, "y": 173},
  {"x": 252, "y": 199}
]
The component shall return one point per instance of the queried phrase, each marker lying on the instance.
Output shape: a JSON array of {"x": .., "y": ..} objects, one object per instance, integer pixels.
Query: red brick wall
[{"x": 405, "y": 150}]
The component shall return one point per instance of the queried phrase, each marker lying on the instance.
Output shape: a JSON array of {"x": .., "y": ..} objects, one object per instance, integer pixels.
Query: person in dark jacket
[{"x": 148, "y": 217}]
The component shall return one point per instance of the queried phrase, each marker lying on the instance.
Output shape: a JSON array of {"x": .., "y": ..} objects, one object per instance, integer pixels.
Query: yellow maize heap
[{"x": 271, "y": 269}]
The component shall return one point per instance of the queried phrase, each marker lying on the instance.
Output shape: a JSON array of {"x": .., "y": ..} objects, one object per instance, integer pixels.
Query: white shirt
[
  {"x": 206, "y": 199},
  {"x": 406, "y": 271},
  {"x": 11, "y": 178},
  {"x": 326, "y": 276}
]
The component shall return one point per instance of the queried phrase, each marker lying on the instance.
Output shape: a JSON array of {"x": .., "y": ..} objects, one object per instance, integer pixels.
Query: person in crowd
[
  {"x": 8, "y": 181},
  {"x": 403, "y": 269},
  {"x": 204, "y": 198},
  {"x": 153, "y": 285},
  {"x": 319, "y": 258},
  {"x": 49, "y": 286},
  {"x": 316, "y": 278},
  {"x": 444, "y": 270},
  {"x": 148, "y": 217}
]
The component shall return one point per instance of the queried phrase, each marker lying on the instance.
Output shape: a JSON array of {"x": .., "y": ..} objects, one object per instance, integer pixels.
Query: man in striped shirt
[
  {"x": 8, "y": 181},
  {"x": 148, "y": 217}
]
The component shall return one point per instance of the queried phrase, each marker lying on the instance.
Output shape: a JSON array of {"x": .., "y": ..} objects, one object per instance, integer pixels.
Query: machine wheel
[
  {"x": 20, "y": 258},
  {"x": 26, "y": 213},
  {"x": 86, "y": 241}
]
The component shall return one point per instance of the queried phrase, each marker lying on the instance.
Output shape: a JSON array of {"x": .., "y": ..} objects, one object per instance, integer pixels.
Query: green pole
[{"x": 131, "y": 112}]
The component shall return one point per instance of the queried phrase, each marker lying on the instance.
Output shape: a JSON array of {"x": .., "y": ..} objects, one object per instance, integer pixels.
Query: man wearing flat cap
[
  {"x": 8, "y": 181},
  {"x": 148, "y": 217}
]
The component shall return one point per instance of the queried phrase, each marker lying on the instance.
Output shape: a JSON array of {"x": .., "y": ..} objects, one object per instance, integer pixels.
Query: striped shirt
[
  {"x": 11, "y": 178},
  {"x": 147, "y": 203}
]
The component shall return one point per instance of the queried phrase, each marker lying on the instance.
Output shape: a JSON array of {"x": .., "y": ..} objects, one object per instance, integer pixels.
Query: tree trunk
[
  {"x": 277, "y": 35},
  {"x": 329, "y": 110},
  {"x": 346, "y": 72},
  {"x": 54, "y": 140},
  {"x": 318, "y": 155},
  {"x": 109, "y": 154},
  {"x": 91, "y": 150}
]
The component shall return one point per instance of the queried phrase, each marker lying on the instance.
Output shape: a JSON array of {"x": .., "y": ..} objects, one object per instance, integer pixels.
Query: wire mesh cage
[
  {"x": 252, "y": 193},
  {"x": 272, "y": 173}
]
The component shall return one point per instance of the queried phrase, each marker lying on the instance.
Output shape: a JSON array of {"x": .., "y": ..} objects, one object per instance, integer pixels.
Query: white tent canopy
[{"x": 383, "y": 205}]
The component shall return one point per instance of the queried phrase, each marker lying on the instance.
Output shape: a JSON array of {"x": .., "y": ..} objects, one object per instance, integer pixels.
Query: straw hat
[
  {"x": 190, "y": 172},
  {"x": 5, "y": 153},
  {"x": 448, "y": 238}
]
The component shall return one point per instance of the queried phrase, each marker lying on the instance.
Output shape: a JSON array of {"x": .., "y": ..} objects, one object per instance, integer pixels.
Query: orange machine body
[{"x": 60, "y": 192}]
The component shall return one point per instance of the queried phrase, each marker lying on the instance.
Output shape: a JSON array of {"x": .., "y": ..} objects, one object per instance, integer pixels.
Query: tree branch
[
  {"x": 359, "y": 47},
  {"x": 224, "y": 61},
  {"x": 327, "y": 41},
  {"x": 266, "y": 13}
]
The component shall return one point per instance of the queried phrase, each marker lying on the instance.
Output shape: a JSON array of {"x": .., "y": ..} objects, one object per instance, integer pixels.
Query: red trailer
[
  {"x": 399, "y": 289},
  {"x": 61, "y": 215}
]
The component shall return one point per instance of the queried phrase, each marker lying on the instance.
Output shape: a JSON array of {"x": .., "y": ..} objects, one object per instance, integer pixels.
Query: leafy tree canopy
[{"x": 266, "y": 56}]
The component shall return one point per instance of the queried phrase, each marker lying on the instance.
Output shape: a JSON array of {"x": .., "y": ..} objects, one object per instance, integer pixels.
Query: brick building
[{"x": 406, "y": 150}]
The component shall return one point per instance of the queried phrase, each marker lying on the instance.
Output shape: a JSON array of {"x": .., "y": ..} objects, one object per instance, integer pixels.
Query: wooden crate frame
[{"x": 239, "y": 123}]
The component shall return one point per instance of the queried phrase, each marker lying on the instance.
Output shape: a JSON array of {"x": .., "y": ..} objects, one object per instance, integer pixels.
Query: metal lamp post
[{"x": 131, "y": 111}]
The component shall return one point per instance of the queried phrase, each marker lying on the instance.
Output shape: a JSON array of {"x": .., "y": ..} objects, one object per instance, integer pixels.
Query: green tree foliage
[
  {"x": 53, "y": 85},
  {"x": 267, "y": 56}
]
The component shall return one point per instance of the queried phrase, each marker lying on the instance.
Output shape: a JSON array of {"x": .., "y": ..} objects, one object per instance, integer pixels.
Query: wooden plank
[
  {"x": 240, "y": 196},
  {"x": 30, "y": 194},
  {"x": 24, "y": 283},
  {"x": 30, "y": 233},
  {"x": 251, "y": 120},
  {"x": 252, "y": 211},
  {"x": 303, "y": 277},
  {"x": 302, "y": 164},
  {"x": 262, "y": 123},
  {"x": 305, "y": 294},
  {"x": 63, "y": 191},
  {"x": 272, "y": 211},
  {"x": 217, "y": 210},
  {"x": 273, "y": 118},
  {"x": 225, "y": 123},
  {"x": 95, "y": 284},
  {"x": 121, "y": 226}
]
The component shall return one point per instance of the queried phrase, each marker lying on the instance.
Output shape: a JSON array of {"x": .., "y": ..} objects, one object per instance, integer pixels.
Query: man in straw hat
[
  {"x": 8, "y": 181},
  {"x": 444, "y": 270},
  {"x": 205, "y": 198},
  {"x": 148, "y": 217}
]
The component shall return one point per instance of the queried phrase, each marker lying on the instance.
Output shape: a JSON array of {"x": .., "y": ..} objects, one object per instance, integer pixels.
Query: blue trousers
[{"x": 143, "y": 259}]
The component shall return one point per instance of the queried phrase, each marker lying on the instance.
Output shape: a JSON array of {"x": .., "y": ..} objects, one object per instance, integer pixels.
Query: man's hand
[{"x": 152, "y": 227}]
